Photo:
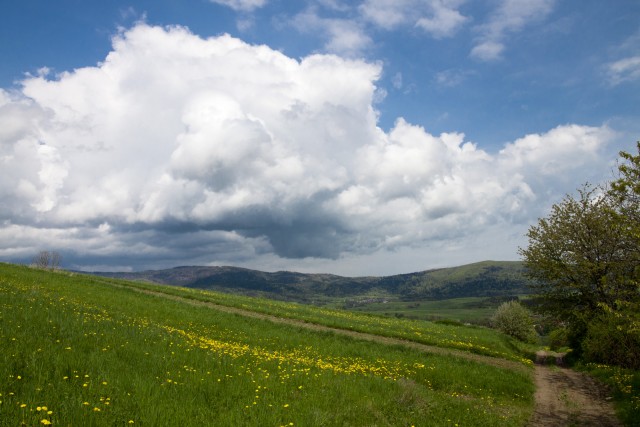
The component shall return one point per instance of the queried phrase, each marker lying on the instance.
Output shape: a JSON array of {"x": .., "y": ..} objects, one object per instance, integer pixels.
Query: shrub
[
  {"x": 558, "y": 338},
  {"x": 515, "y": 320},
  {"x": 612, "y": 340}
]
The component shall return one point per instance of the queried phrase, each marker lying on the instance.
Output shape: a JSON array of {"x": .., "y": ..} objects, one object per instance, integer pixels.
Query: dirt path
[{"x": 568, "y": 398}]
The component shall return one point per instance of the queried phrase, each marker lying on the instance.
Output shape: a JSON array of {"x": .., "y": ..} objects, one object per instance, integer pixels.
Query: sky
[{"x": 364, "y": 137}]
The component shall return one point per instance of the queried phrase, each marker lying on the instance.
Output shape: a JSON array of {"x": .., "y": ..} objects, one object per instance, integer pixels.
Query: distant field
[
  {"x": 78, "y": 350},
  {"x": 477, "y": 310}
]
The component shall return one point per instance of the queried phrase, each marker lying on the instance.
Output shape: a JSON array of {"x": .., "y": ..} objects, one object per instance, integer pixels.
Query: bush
[
  {"x": 613, "y": 341},
  {"x": 515, "y": 320},
  {"x": 558, "y": 338}
]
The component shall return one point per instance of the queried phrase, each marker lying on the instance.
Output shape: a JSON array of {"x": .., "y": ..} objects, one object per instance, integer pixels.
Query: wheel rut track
[
  {"x": 488, "y": 360},
  {"x": 563, "y": 397}
]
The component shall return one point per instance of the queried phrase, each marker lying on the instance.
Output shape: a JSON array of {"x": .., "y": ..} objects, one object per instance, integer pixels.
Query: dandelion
[
  {"x": 45, "y": 422},
  {"x": 96, "y": 409}
]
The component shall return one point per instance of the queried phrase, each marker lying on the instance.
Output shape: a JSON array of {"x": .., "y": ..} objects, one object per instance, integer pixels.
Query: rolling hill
[{"x": 483, "y": 279}]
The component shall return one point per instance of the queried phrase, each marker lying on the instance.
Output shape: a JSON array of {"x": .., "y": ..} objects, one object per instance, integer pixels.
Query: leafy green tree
[
  {"x": 625, "y": 191},
  {"x": 584, "y": 257},
  {"x": 577, "y": 255},
  {"x": 515, "y": 320}
]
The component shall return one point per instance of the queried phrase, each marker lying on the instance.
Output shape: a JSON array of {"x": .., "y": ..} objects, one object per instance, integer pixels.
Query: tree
[
  {"x": 577, "y": 255},
  {"x": 41, "y": 260},
  {"x": 515, "y": 320},
  {"x": 55, "y": 261},
  {"x": 584, "y": 257},
  {"x": 625, "y": 191},
  {"x": 47, "y": 259}
]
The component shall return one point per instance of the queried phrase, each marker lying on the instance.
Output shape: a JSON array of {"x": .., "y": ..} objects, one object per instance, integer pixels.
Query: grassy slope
[
  {"x": 95, "y": 354},
  {"x": 474, "y": 339}
]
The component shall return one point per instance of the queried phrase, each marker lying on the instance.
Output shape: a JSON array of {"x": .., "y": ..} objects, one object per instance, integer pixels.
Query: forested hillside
[{"x": 488, "y": 278}]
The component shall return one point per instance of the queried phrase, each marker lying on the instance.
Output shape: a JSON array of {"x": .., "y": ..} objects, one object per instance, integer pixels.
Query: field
[
  {"x": 477, "y": 310},
  {"x": 81, "y": 350}
]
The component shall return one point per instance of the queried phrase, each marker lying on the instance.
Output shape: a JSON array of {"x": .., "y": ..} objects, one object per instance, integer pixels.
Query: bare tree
[
  {"x": 41, "y": 260},
  {"x": 55, "y": 260},
  {"x": 47, "y": 260}
]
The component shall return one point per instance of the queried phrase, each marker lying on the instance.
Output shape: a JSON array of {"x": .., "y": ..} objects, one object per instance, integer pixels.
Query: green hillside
[
  {"x": 483, "y": 279},
  {"x": 92, "y": 351}
]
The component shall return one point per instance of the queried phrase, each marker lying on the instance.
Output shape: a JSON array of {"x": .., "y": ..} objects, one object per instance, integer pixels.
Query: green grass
[
  {"x": 94, "y": 354},
  {"x": 474, "y": 339}
]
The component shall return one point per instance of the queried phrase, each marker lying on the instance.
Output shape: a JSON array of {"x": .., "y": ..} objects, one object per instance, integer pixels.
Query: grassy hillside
[{"x": 83, "y": 350}]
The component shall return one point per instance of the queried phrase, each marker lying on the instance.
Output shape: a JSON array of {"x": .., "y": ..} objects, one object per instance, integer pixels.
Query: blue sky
[{"x": 360, "y": 137}]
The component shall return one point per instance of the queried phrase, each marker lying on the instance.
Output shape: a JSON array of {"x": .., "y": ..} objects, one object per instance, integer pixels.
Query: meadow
[
  {"x": 474, "y": 339},
  {"x": 83, "y": 351},
  {"x": 474, "y": 310}
]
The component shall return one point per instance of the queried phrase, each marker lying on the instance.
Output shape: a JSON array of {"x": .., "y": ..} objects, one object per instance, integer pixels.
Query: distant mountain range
[{"x": 482, "y": 279}]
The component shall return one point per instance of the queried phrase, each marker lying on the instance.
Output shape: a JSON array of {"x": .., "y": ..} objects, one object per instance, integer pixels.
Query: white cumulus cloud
[{"x": 177, "y": 149}]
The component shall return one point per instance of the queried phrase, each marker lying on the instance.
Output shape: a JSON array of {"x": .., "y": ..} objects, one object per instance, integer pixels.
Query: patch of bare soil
[{"x": 568, "y": 398}]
